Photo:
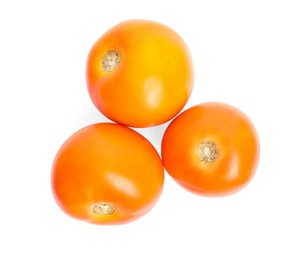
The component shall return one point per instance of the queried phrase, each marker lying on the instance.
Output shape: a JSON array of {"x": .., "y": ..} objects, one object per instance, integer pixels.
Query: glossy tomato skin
[
  {"x": 154, "y": 77},
  {"x": 107, "y": 164},
  {"x": 211, "y": 149}
]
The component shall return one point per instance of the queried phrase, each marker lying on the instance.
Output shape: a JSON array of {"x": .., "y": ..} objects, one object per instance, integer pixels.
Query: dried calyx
[
  {"x": 103, "y": 208},
  {"x": 110, "y": 61},
  {"x": 207, "y": 151}
]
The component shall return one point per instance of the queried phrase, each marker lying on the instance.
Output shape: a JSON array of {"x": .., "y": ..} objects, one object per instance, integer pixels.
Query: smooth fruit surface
[
  {"x": 107, "y": 174},
  {"x": 211, "y": 149},
  {"x": 139, "y": 73}
]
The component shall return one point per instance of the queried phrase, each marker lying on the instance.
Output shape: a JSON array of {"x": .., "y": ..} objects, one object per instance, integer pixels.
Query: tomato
[
  {"x": 211, "y": 149},
  {"x": 107, "y": 174},
  {"x": 139, "y": 73}
]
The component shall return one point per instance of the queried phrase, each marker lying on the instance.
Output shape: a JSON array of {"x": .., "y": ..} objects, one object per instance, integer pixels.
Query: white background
[{"x": 243, "y": 53}]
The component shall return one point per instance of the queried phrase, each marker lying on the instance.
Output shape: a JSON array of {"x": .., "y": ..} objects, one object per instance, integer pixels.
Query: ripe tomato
[
  {"x": 107, "y": 174},
  {"x": 211, "y": 149},
  {"x": 139, "y": 73}
]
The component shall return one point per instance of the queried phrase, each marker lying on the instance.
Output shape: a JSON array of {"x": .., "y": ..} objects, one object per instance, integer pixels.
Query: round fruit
[
  {"x": 107, "y": 174},
  {"x": 139, "y": 73},
  {"x": 211, "y": 149}
]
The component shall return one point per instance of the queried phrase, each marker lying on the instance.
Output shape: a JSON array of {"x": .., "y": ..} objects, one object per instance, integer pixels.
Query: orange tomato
[
  {"x": 139, "y": 73},
  {"x": 107, "y": 174},
  {"x": 211, "y": 149}
]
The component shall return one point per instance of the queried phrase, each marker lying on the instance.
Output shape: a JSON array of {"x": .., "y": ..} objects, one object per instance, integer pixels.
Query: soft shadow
[{"x": 154, "y": 134}]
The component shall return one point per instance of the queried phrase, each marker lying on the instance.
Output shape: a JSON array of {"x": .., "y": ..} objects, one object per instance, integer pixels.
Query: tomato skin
[
  {"x": 236, "y": 145},
  {"x": 153, "y": 80},
  {"x": 107, "y": 163}
]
